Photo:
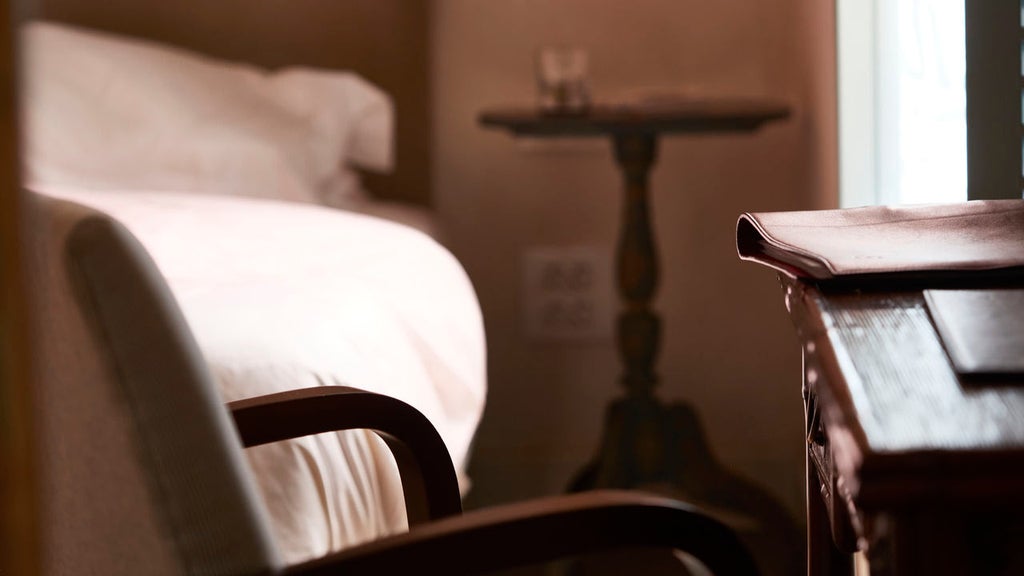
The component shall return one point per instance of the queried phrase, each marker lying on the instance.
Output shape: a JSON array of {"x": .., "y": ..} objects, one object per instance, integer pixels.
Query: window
[{"x": 902, "y": 101}]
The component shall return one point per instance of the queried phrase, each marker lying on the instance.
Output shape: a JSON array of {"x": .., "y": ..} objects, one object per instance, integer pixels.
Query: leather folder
[
  {"x": 935, "y": 242},
  {"x": 981, "y": 330}
]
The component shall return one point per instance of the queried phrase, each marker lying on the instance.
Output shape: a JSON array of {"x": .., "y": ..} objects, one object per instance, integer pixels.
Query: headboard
[{"x": 385, "y": 41}]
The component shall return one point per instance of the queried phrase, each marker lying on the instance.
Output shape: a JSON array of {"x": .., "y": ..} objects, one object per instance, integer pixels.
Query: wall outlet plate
[{"x": 568, "y": 293}]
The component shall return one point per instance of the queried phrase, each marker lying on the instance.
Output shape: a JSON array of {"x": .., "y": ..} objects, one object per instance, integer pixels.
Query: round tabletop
[{"x": 683, "y": 114}]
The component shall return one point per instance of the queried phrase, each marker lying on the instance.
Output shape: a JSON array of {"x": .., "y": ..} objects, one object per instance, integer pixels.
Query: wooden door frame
[{"x": 18, "y": 500}]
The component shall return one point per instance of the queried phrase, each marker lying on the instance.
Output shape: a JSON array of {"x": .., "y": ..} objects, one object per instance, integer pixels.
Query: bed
[{"x": 262, "y": 176}]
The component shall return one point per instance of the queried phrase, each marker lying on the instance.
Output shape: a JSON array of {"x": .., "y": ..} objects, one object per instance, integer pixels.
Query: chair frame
[{"x": 488, "y": 540}]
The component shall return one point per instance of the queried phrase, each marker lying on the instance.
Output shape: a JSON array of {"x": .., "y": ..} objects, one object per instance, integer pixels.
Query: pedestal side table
[
  {"x": 647, "y": 444},
  {"x": 634, "y": 131}
]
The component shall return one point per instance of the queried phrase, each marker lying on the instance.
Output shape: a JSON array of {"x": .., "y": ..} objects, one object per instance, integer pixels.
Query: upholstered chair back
[{"x": 140, "y": 468}]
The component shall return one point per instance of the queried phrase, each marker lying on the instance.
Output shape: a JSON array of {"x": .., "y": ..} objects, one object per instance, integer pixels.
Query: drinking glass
[{"x": 562, "y": 83}]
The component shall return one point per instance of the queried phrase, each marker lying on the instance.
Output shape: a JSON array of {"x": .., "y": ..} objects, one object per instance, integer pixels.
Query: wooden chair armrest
[
  {"x": 505, "y": 537},
  {"x": 428, "y": 476}
]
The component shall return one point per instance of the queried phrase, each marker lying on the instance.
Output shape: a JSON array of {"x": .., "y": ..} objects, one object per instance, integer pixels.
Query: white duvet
[{"x": 283, "y": 296}]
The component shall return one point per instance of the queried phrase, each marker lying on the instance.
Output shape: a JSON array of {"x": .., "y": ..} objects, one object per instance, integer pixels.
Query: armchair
[{"x": 142, "y": 469}]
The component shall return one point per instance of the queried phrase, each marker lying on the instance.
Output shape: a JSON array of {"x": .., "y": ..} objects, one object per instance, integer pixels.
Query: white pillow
[
  {"x": 105, "y": 112},
  {"x": 332, "y": 100}
]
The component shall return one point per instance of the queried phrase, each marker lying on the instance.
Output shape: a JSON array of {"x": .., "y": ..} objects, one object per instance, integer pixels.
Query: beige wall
[{"x": 728, "y": 347}]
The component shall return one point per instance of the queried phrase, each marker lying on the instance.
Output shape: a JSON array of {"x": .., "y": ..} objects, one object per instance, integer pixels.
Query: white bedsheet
[{"x": 283, "y": 296}]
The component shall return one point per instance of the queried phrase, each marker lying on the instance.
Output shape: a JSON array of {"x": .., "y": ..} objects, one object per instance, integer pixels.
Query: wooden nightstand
[{"x": 904, "y": 461}]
